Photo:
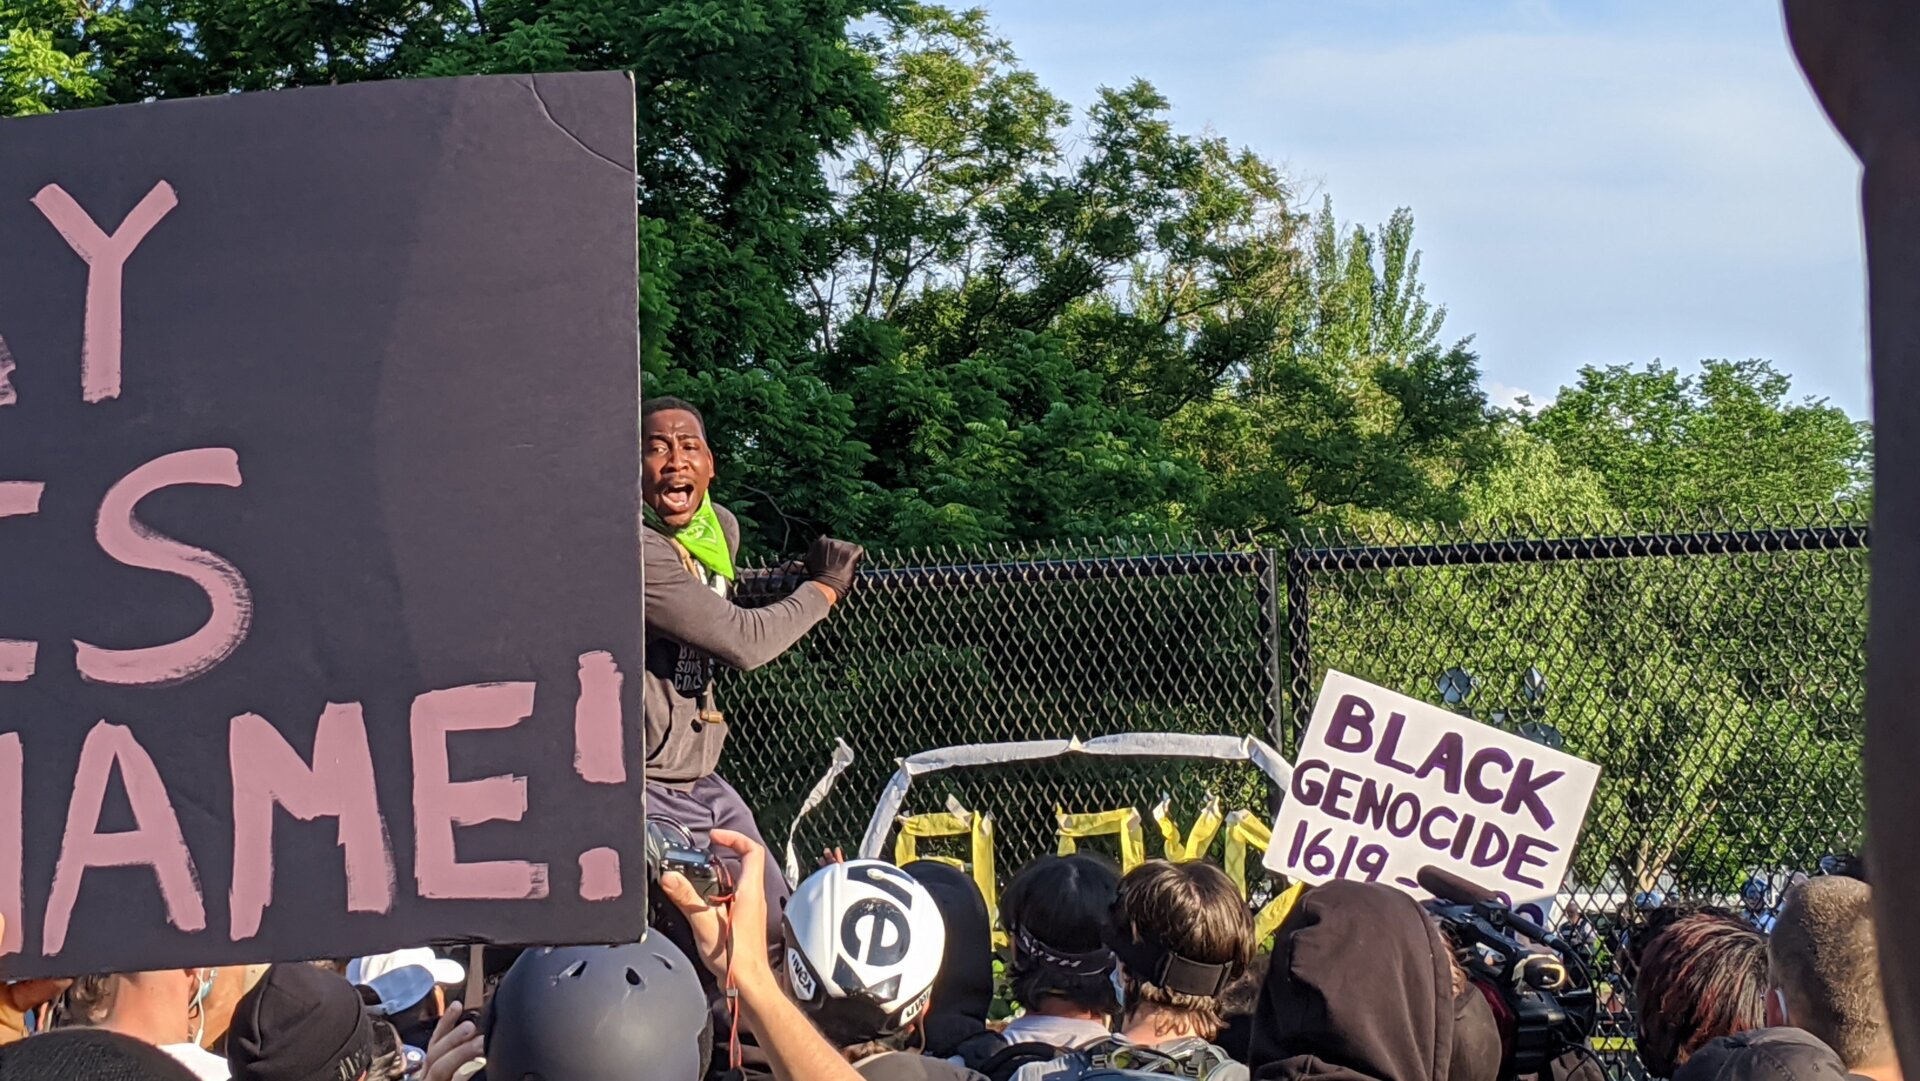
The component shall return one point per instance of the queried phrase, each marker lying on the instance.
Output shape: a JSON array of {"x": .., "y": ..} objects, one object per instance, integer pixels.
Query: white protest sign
[{"x": 1384, "y": 785}]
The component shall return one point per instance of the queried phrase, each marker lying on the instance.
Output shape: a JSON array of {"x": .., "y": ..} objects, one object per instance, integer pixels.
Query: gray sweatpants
[{"x": 710, "y": 804}]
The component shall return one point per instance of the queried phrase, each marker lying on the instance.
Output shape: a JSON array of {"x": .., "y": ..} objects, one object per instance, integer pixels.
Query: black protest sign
[{"x": 319, "y": 524}]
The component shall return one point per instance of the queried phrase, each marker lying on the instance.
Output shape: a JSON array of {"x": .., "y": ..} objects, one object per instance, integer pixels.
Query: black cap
[
  {"x": 300, "y": 1023},
  {"x": 91, "y": 1053},
  {"x": 1763, "y": 1054}
]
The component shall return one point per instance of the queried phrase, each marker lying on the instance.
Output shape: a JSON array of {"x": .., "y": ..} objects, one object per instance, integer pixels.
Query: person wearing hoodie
[
  {"x": 1361, "y": 989},
  {"x": 956, "y": 1022}
]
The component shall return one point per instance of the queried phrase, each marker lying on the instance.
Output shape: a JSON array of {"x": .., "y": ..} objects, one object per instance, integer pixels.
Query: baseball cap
[
  {"x": 1763, "y": 1054},
  {"x": 402, "y": 978},
  {"x": 300, "y": 1023}
]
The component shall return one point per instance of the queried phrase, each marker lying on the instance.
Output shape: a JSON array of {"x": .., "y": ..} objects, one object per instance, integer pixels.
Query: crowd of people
[
  {"x": 867, "y": 970},
  {"x": 888, "y": 974}
]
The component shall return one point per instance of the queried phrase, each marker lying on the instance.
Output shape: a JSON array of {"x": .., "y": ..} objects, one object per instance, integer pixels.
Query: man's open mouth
[{"x": 677, "y": 497}]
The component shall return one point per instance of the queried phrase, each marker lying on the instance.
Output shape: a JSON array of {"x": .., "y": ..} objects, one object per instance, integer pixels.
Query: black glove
[{"x": 832, "y": 563}]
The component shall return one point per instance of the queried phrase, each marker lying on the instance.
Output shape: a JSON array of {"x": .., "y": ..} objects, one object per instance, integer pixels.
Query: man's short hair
[
  {"x": 669, "y": 404},
  {"x": 1823, "y": 958},
  {"x": 1702, "y": 977}
]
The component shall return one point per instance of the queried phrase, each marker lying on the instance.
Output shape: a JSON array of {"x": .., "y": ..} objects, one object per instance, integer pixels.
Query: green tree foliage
[
  {"x": 1729, "y": 437},
  {"x": 1356, "y": 412},
  {"x": 1142, "y": 335},
  {"x": 34, "y": 68}
]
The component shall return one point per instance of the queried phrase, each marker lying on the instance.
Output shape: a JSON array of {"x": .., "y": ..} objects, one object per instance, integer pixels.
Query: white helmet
[{"x": 864, "y": 943}]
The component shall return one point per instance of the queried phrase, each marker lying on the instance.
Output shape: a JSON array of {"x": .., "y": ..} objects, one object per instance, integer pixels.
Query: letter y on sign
[{"x": 106, "y": 257}]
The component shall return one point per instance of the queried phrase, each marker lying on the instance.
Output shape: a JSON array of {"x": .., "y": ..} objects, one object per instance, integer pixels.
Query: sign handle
[{"x": 476, "y": 976}]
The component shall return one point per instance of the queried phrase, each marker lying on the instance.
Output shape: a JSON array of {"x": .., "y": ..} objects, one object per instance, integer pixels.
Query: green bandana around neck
[{"x": 702, "y": 538}]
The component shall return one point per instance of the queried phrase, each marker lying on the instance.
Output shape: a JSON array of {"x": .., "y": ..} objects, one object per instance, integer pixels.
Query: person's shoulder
[
  {"x": 1067, "y": 1067},
  {"x": 907, "y": 1066},
  {"x": 205, "y": 1065},
  {"x": 1764, "y": 1054},
  {"x": 729, "y": 525}
]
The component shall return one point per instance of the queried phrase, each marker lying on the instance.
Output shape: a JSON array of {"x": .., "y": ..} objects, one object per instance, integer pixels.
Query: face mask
[
  {"x": 201, "y": 992},
  {"x": 1119, "y": 988}
]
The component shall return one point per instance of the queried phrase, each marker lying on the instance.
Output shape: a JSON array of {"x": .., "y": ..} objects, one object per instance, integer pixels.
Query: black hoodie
[
  {"x": 1361, "y": 989},
  {"x": 956, "y": 1022}
]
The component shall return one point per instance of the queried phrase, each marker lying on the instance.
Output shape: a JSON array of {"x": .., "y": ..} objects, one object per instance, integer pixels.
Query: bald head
[{"x": 1823, "y": 960}]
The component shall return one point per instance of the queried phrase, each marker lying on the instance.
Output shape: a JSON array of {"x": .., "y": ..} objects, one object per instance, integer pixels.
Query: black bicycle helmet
[{"x": 600, "y": 1013}]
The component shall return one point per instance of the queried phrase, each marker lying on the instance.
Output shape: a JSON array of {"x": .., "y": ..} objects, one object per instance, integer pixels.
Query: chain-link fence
[{"x": 1713, "y": 667}]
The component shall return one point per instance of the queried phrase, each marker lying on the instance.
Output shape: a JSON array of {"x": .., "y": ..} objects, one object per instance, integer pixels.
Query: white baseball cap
[{"x": 400, "y": 979}]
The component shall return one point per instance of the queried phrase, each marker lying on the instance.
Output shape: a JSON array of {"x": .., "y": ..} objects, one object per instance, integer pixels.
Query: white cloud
[{"x": 1506, "y": 397}]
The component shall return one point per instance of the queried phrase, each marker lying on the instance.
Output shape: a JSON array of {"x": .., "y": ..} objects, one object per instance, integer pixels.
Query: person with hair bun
[{"x": 1062, "y": 972}]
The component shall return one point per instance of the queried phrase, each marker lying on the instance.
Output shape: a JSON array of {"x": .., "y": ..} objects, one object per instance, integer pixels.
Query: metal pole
[
  {"x": 1272, "y": 668},
  {"x": 1299, "y": 645}
]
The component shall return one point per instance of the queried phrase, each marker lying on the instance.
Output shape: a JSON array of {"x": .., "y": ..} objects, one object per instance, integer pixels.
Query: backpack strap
[
  {"x": 1007, "y": 1061},
  {"x": 1185, "y": 1058}
]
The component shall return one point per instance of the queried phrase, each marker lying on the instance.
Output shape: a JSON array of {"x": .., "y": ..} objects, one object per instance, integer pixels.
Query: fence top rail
[
  {"x": 1549, "y": 550},
  {"x": 1082, "y": 569},
  {"x": 1250, "y": 560}
]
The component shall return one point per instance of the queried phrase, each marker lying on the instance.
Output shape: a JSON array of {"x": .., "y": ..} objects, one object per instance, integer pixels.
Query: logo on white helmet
[{"x": 800, "y": 977}]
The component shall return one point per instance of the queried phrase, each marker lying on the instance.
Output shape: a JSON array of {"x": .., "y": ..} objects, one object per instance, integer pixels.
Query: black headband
[
  {"x": 1153, "y": 963},
  {"x": 1094, "y": 963}
]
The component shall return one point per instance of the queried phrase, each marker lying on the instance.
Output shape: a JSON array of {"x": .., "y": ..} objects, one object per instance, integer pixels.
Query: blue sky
[{"x": 1593, "y": 182}]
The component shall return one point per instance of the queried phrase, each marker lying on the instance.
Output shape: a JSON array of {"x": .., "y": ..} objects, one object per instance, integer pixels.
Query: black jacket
[{"x": 1361, "y": 989}]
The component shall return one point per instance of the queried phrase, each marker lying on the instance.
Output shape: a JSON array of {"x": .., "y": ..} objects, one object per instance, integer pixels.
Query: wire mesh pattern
[
  {"x": 942, "y": 648},
  {"x": 1713, "y": 666}
]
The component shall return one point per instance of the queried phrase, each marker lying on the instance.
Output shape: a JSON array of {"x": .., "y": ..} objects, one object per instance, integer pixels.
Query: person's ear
[{"x": 1777, "y": 1014}]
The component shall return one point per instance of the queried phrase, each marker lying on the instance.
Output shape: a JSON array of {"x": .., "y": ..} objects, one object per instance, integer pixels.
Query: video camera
[
  {"x": 671, "y": 848},
  {"x": 1541, "y": 992}
]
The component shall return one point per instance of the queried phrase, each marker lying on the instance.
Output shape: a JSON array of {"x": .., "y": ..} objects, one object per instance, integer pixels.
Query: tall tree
[{"x": 1354, "y": 411}]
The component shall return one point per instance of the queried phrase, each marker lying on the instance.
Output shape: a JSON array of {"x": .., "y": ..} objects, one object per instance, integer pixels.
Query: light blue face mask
[
  {"x": 200, "y": 994},
  {"x": 1119, "y": 988}
]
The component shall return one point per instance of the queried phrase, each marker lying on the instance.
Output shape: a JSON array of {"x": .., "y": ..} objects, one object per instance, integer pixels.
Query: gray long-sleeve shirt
[{"x": 691, "y": 623}]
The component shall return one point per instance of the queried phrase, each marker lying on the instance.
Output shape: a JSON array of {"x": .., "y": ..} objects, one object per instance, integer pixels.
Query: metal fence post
[{"x": 1299, "y": 646}]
